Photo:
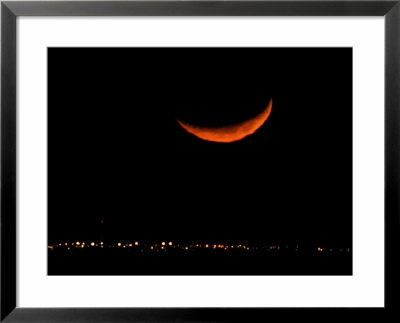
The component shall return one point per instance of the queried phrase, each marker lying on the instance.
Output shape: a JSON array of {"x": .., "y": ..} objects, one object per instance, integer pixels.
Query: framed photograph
[{"x": 199, "y": 160}]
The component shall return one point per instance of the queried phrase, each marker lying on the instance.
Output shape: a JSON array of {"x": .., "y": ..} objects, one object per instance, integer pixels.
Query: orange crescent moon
[{"x": 229, "y": 133}]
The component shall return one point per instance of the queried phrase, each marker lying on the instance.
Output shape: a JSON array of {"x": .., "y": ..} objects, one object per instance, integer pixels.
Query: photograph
[{"x": 200, "y": 160}]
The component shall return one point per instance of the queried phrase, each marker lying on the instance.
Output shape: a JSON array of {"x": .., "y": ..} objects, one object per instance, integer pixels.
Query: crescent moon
[{"x": 229, "y": 133}]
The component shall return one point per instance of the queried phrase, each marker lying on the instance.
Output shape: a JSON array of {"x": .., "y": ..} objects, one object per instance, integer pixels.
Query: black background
[{"x": 118, "y": 156}]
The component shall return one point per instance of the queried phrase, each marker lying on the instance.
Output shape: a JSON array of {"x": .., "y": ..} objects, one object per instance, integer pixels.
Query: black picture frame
[{"x": 10, "y": 10}]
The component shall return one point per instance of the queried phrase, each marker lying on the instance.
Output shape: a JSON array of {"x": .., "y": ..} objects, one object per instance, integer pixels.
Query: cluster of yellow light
[
  {"x": 163, "y": 245},
  {"x": 170, "y": 245}
]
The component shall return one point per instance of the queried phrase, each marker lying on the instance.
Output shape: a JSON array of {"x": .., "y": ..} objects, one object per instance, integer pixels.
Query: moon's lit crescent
[{"x": 229, "y": 133}]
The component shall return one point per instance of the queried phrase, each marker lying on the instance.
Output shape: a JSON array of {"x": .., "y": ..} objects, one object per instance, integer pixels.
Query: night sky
[{"x": 121, "y": 167}]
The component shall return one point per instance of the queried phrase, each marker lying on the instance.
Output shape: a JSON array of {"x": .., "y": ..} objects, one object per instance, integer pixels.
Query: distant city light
[{"x": 191, "y": 246}]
